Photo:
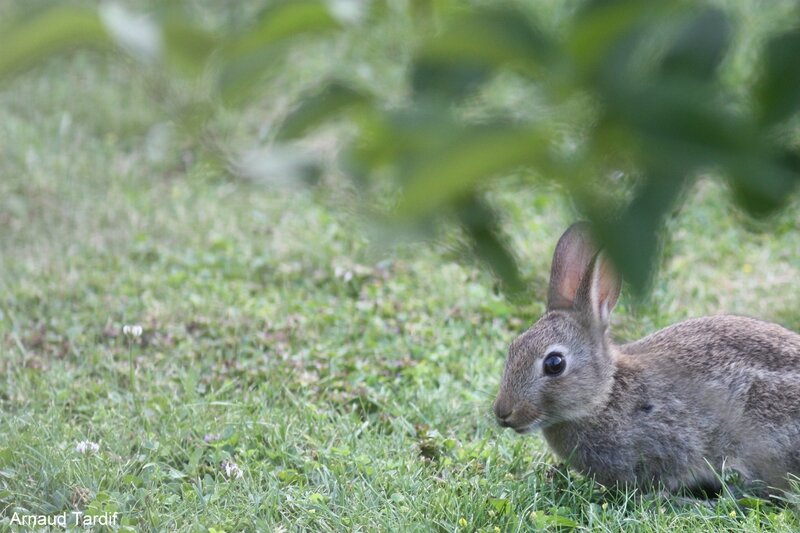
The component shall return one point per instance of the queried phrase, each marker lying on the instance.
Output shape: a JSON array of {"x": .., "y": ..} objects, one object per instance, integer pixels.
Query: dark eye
[{"x": 554, "y": 364}]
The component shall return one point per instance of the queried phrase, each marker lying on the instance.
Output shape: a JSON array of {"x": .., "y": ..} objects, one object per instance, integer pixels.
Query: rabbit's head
[{"x": 560, "y": 369}]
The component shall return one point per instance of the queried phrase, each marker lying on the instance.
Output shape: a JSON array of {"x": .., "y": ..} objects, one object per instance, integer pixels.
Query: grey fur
[{"x": 672, "y": 409}]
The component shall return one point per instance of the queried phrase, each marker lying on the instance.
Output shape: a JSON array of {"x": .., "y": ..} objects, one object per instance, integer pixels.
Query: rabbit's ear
[
  {"x": 599, "y": 289},
  {"x": 571, "y": 260}
]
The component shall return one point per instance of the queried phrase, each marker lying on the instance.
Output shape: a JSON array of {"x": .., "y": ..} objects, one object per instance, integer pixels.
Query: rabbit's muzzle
[{"x": 521, "y": 417}]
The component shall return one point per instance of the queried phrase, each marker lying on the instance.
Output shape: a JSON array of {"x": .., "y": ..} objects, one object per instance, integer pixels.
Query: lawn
[{"x": 291, "y": 374}]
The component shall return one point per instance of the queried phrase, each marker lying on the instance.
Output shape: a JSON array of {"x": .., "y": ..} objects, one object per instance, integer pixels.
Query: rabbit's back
[
  {"x": 741, "y": 379},
  {"x": 716, "y": 344}
]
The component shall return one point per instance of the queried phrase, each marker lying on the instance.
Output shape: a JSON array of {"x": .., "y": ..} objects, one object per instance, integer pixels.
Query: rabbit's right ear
[{"x": 574, "y": 252}]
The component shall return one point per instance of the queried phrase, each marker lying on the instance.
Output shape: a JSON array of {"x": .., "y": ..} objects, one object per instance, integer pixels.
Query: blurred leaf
[
  {"x": 240, "y": 77},
  {"x": 333, "y": 99},
  {"x": 427, "y": 9},
  {"x": 477, "y": 44},
  {"x": 56, "y": 30},
  {"x": 762, "y": 185},
  {"x": 681, "y": 117},
  {"x": 481, "y": 225},
  {"x": 283, "y": 20},
  {"x": 631, "y": 238},
  {"x": 601, "y": 24},
  {"x": 684, "y": 119},
  {"x": 474, "y": 154},
  {"x": 671, "y": 126},
  {"x": 700, "y": 47},
  {"x": 188, "y": 47},
  {"x": 396, "y": 141},
  {"x": 246, "y": 57},
  {"x": 778, "y": 90},
  {"x": 448, "y": 80}
]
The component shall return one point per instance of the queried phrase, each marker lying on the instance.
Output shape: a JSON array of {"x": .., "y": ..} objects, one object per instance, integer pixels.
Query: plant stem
[{"x": 132, "y": 370}]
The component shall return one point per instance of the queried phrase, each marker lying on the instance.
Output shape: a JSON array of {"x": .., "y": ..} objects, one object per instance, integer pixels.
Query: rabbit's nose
[
  {"x": 502, "y": 412},
  {"x": 502, "y": 415}
]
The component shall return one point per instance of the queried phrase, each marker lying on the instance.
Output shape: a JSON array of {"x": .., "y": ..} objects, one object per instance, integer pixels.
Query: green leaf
[
  {"x": 425, "y": 10},
  {"x": 398, "y": 141},
  {"x": 684, "y": 121},
  {"x": 681, "y": 116},
  {"x": 751, "y": 502},
  {"x": 281, "y": 21},
  {"x": 602, "y": 24},
  {"x": 700, "y": 47},
  {"x": 476, "y": 45},
  {"x": 188, "y": 47},
  {"x": 544, "y": 520},
  {"x": 446, "y": 79},
  {"x": 494, "y": 37},
  {"x": 476, "y": 153},
  {"x": 335, "y": 98},
  {"x": 763, "y": 185},
  {"x": 56, "y": 30},
  {"x": 632, "y": 237},
  {"x": 289, "y": 475},
  {"x": 248, "y": 56},
  {"x": 480, "y": 224},
  {"x": 778, "y": 91},
  {"x": 501, "y": 506}
]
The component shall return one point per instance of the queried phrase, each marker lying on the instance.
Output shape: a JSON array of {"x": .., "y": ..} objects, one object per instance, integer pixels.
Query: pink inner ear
[
  {"x": 605, "y": 288},
  {"x": 570, "y": 283},
  {"x": 572, "y": 256}
]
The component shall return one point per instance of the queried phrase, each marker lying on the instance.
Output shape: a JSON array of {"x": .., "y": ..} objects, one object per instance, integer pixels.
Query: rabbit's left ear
[{"x": 600, "y": 288}]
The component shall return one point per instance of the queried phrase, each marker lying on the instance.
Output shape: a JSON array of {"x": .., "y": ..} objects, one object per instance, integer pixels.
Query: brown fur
[{"x": 672, "y": 409}]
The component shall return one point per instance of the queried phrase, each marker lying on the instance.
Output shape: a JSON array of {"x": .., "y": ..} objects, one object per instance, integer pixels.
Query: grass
[{"x": 352, "y": 387}]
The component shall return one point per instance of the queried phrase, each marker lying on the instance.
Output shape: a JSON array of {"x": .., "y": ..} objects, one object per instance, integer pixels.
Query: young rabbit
[{"x": 668, "y": 410}]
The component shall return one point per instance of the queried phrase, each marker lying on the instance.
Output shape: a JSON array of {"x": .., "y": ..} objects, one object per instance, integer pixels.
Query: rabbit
[{"x": 667, "y": 412}]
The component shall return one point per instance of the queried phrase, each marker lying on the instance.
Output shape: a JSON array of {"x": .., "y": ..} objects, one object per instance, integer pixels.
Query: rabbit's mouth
[
  {"x": 529, "y": 428},
  {"x": 524, "y": 418}
]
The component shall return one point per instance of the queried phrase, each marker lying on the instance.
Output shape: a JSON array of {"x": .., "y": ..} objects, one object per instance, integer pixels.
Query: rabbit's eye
[{"x": 554, "y": 364}]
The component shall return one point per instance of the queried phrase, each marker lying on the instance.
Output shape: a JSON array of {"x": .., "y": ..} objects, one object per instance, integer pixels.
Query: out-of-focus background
[{"x": 330, "y": 219}]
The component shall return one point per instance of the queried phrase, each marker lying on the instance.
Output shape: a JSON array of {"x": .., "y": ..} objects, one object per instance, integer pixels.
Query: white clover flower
[
  {"x": 343, "y": 273},
  {"x": 87, "y": 447},
  {"x": 134, "y": 331},
  {"x": 232, "y": 470}
]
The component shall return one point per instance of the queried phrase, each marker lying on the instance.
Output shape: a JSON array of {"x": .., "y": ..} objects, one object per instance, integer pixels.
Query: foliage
[
  {"x": 655, "y": 113},
  {"x": 664, "y": 115}
]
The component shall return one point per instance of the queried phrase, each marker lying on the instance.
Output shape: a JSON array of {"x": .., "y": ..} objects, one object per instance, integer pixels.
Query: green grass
[{"x": 352, "y": 386}]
